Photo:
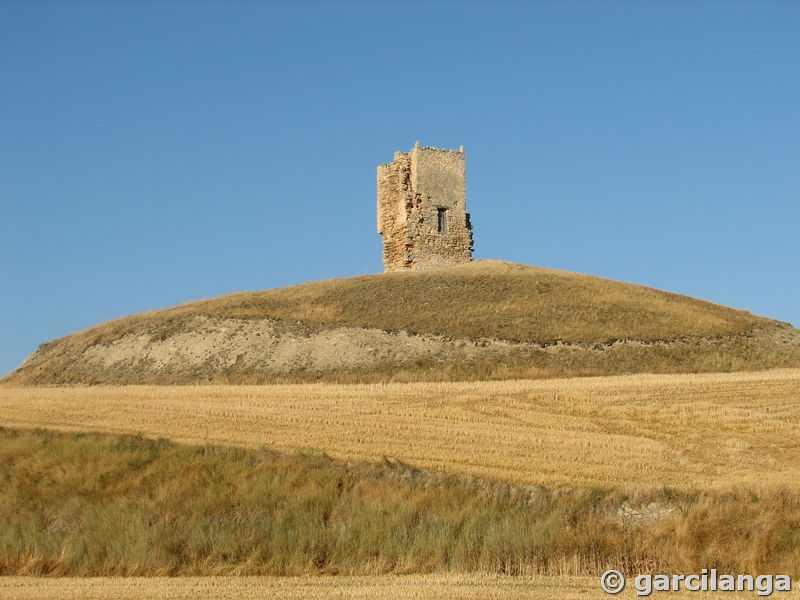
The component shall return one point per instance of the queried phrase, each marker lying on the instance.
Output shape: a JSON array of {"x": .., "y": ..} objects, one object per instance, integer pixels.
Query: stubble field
[
  {"x": 428, "y": 587},
  {"x": 690, "y": 431}
]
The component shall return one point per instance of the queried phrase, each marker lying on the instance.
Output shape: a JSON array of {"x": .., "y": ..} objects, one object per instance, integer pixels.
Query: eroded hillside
[{"x": 487, "y": 319}]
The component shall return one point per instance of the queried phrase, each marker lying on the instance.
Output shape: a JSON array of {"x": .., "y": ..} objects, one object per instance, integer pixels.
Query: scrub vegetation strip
[{"x": 75, "y": 504}]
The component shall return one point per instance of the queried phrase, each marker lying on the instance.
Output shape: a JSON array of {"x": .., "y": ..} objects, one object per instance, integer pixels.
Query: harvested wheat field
[
  {"x": 691, "y": 431},
  {"x": 429, "y": 587}
]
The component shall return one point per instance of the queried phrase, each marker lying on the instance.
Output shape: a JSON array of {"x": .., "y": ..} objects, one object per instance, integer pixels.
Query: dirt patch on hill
[
  {"x": 196, "y": 349},
  {"x": 268, "y": 344}
]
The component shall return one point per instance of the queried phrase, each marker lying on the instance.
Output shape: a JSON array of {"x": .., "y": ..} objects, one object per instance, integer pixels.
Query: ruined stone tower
[{"x": 422, "y": 210}]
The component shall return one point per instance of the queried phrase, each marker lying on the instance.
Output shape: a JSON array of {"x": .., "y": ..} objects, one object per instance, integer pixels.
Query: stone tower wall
[{"x": 422, "y": 210}]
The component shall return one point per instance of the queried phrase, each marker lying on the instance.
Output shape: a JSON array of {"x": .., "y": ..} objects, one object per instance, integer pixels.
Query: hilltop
[{"x": 486, "y": 319}]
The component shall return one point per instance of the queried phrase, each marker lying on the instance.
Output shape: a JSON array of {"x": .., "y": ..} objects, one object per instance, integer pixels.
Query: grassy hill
[{"x": 487, "y": 319}]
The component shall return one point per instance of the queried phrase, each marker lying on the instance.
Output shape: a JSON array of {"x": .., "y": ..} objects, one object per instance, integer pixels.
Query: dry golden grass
[
  {"x": 428, "y": 587},
  {"x": 105, "y": 505},
  {"x": 691, "y": 431}
]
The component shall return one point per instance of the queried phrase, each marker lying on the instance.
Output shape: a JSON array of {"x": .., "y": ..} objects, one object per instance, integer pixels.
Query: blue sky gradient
[{"x": 153, "y": 153}]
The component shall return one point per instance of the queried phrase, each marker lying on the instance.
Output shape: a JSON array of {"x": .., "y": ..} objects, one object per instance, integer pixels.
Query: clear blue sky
[{"x": 154, "y": 152}]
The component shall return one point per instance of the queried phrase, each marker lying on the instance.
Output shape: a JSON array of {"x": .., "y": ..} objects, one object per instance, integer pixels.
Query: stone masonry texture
[{"x": 422, "y": 210}]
